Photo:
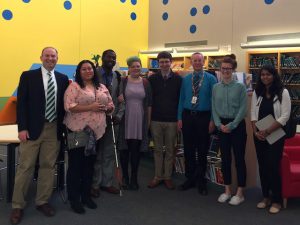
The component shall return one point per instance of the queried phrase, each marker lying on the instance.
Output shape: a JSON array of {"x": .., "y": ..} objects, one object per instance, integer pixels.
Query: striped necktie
[{"x": 50, "y": 100}]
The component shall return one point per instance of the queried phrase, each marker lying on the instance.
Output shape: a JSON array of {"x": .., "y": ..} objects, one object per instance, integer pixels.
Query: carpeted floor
[{"x": 159, "y": 206}]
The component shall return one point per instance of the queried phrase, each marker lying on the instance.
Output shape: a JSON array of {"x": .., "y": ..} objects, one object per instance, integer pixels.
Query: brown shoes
[
  {"x": 16, "y": 216},
  {"x": 95, "y": 192},
  {"x": 169, "y": 184},
  {"x": 46, "y": 209},
  {"x": 154, "y": 183},
  {"x": 111, "y": 190}
]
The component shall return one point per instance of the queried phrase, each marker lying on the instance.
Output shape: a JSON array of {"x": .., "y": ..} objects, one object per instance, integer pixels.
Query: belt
[{"x": 196, "y": 112}]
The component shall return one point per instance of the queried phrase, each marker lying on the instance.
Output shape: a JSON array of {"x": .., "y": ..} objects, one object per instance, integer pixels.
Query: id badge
[{"x": 194, "y": 99}]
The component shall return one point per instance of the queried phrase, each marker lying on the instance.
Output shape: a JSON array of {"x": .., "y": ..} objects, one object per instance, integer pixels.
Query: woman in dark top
[{"x": 269, "y": 98}]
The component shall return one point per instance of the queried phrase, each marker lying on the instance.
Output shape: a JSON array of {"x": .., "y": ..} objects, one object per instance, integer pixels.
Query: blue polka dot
[
  {"x": 206, "y": 9},
  {"x": 67, "y": 5},
  {"x": 122, "y": 1},
  {"x": 7, "y": 14},
  {"x": 165, "y": 2},
  {"x": 165, "y": 16},
  {"x": 26, "y": 1},
  {"x": 269, "y": 1},
  {"x": 133, "y": 2},
  {"x": 133, "y": 16},
  {"x": 193, "y": 11},
  {"x": 193, "y": 28}
]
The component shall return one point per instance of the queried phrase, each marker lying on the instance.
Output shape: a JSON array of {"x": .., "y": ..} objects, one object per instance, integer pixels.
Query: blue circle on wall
[
  {"x": 193, "y": 11},
  {"x": 206, "y": 9},
  {"x": 123, "y": 1},
  {"x": 165, "y": 16},
  {"x": 26, "y": 1},
  {"x": 165, "y": 2},
  {"x": 133, "y": 16},
  {"x": 133, "y": 2},
  {"x": 269, "y": 1},
  {"x": 7, "y": 14},
  {"x": 193, "y": 28},
  {"x": 67, "y": 5}
]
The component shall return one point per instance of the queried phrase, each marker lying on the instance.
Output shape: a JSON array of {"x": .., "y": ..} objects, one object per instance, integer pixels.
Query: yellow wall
[{"x": 89, "y": 27}]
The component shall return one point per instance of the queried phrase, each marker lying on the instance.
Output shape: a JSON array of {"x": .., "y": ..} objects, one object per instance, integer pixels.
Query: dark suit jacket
[{"x": 31, "y": 102}]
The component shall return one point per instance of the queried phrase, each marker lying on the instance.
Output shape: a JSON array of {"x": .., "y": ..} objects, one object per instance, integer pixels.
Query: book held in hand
[{"x": 265, "y": 123}]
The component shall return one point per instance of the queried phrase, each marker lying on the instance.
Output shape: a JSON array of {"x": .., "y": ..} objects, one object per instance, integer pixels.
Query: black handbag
[
  {"x": 77, "y": 139},
  {"x": 291, "y": 126}
]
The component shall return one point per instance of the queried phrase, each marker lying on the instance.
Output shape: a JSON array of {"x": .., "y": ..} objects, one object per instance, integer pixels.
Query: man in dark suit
[{"x": 40, "y": 112}]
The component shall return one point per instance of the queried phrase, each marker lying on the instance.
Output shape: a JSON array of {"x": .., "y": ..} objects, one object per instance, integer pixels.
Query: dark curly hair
[
  {"x": 78, "y": 79},
  {"x": 276, "y": 87}
]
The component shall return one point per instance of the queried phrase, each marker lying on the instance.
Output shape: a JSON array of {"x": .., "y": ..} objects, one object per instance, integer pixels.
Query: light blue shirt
[
  {"x": 204, "y": 95},
  {"x": 229, "y": 101}
]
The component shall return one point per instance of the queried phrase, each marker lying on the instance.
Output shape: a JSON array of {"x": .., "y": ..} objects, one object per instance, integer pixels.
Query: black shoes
[
  {"x": 77, "y": 207},
  {"x": 89, "y": 203},
  {"x": 125, "y": 183},
  {"x": 188, "y": 184},
  {"x": 202, "y": 189},
  {"x": 133, "y": 183}
]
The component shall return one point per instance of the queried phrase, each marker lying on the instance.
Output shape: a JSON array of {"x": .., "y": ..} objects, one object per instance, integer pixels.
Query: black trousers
[
  {"x": 196, "y": 142},
  {"x": 269, "y": 158},
  {"x": 80, "y": 174},
  {"x": 133, "y": 152},
  {"x": 235, "y": 140}
]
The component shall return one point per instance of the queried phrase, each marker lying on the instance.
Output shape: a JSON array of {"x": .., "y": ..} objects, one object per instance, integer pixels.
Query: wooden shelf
[
  {"x": 295, "y": 102},
  {"x": 286, "y": 62},
  {"x": 183, "y": 64}
]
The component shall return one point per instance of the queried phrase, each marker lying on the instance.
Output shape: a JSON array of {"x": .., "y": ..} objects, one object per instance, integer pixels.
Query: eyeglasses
[
  {"x": 164, "y": 61},
  {"x": 226, "y": 69}
]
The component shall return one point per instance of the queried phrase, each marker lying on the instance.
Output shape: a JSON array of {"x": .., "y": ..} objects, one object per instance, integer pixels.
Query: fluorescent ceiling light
[
  {"x": 199, "y": 49},
  {"x": 272, "y": 41},
  {"x": 271, "y": 44},
  {"x": 156, "y": 51}
]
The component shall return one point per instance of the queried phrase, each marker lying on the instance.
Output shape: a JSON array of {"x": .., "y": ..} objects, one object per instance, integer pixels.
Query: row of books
[
  {"x": 294, "y": 94},
  {"x": 290, "y": 78},
  {"x": 179, "y": 165},
  {"x": 214, "y": 172},
  {"x": 290, "y": 61},
  {"x": 259, "y": 61},
  {"x": 215, "y": 63}
]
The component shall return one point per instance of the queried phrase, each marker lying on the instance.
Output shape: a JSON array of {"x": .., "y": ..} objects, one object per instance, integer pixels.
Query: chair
[{"x": 290, "y": 169}]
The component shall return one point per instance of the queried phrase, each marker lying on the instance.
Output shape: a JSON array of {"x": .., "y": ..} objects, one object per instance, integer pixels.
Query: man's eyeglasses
[
  {"x": 163, "y": 61},
  {"x": 226, "y": 69}
]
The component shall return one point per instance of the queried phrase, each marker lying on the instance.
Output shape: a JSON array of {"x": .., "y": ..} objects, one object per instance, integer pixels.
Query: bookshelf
[
  {"x": 214, "y": 162},
  {"x": 287, "y": 62},
  {"x": 182, "y": 64}
]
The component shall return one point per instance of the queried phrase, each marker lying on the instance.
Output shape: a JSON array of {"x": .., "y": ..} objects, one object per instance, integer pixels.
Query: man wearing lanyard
[{"x": 194, "y": 118}]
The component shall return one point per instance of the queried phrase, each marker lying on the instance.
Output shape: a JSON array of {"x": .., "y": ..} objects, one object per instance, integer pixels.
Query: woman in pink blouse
[{"x": 86, "y": 103}]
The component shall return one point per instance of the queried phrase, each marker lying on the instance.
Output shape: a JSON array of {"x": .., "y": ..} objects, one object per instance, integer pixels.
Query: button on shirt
[{"x": 45, "y": 82}]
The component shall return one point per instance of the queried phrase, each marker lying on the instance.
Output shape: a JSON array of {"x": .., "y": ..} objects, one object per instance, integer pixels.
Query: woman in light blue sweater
[{"x": 229, "y": 107}]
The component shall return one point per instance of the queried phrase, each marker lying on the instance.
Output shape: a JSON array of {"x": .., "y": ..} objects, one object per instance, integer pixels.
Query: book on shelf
[
  {"x": 179, "y": 164},
  {"x": 259, "y": 61},
  {"x": 214, "y": 146}
]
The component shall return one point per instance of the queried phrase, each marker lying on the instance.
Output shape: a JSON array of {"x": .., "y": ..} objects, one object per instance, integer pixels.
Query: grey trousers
[{"x": 104, "y": 166}]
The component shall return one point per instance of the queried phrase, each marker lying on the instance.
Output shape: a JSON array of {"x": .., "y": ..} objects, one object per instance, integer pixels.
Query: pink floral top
[{"x": 75, "y": 95}]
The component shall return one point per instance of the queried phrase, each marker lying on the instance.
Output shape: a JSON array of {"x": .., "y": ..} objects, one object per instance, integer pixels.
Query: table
[{"x": 9, "y": 137}]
